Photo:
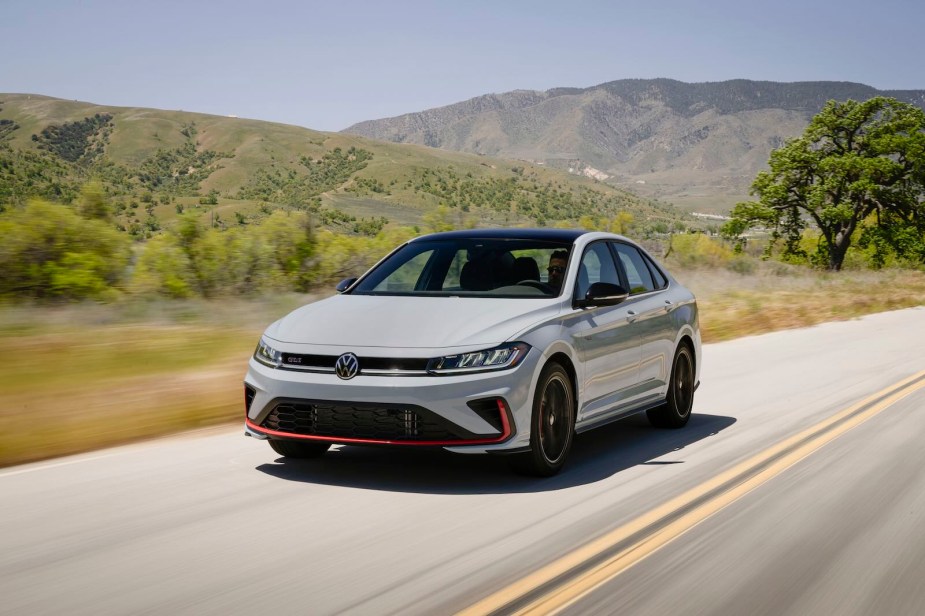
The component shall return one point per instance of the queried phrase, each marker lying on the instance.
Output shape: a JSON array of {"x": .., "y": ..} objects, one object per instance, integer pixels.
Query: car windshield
[{"x": 470, "y": 267}]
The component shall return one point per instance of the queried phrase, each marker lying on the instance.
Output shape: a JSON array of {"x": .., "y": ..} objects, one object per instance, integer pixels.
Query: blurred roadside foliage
[
  {"x": 72, "y": 252},
  {"x": 69, "y": 252},
  {"x": 190, "y": 260},
  {"x": 49, "y": 251}
]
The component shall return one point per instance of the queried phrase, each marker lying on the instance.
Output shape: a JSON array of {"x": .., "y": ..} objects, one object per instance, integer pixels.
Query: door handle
[
  {"x": 668, "y": 305},
  {"x": 631, "y": 316}
]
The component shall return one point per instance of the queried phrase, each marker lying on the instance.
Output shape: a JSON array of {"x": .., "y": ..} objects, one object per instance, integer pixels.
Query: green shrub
[
  {"x": 163, "y": 268},
  {"x": 742, "y": 264},
  {"x": 341, "y": 256},
  {"x": 48, "y": 251},
  {"x": 699, "y": 250},
  {"x": 193, "y": 261},
  {"x": 74, "y": 141}
]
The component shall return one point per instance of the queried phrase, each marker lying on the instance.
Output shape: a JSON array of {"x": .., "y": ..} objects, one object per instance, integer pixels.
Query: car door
[
  {"x": 603, "y": 339},
  {"x": 654, "y": 327}
]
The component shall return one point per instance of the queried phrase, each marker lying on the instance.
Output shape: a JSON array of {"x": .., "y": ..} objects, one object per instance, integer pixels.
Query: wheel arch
[
  {"x": 687, "y": 341},
  {"x": 565, "y": 361},
  {"x": 690, "y": 337}
]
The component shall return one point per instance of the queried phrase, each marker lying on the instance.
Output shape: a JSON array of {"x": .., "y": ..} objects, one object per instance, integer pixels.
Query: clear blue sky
[{"x": 328, "y": 64}]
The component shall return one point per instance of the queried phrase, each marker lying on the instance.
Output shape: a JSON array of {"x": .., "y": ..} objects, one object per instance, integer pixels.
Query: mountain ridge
[{"x": 661, "y": 137}]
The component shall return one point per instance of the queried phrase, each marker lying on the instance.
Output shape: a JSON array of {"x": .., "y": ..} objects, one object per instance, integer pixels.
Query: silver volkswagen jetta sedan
[{"x": 504, "y": 341}]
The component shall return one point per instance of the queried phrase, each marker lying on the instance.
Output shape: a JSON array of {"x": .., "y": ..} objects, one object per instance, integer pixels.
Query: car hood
[{"x": 410, "y": 322}]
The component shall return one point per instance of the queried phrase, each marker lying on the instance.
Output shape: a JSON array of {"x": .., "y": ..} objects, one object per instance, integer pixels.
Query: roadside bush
[
  {"x": 343, "y": 256},
  {"x": 193, "y": 261},
  {"x": 742, "y": 264},
  {"x": 290, "y": 239},
  {"x": 164, "y": 269},
  {"x": 49, "y": 252},
  {"x": 692, "y": 250}
]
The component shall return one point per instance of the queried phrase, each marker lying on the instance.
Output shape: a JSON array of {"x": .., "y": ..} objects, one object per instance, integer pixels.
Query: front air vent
[
  {"x": 249, "y": 393},
  {"x": 366, "y": 422},
  {"x": 491, "y": 410}
]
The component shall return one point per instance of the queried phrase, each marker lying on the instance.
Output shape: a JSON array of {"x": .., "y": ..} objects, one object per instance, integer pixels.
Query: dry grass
[
  {"x": 48, "y": 422},
  {"x": 80, "y": 378},
  {"x": 732, "y": 305}
]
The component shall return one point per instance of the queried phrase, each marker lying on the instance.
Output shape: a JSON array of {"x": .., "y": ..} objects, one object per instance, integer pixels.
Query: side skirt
[{"x": 622, "y": 414}]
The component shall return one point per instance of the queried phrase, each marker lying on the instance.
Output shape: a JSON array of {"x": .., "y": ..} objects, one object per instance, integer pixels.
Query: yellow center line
[{"x": 675, "y": 517}]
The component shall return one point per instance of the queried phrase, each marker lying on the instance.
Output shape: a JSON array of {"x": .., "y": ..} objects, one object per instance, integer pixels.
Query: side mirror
[
  {"x": 345, "y": 284},
  {"x": 602, "y": 294}
]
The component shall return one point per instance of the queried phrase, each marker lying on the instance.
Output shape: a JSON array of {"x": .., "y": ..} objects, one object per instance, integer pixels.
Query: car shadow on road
[{"x": 596, "y": 455}]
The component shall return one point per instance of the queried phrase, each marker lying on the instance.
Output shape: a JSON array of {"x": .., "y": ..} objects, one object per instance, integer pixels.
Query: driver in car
[{"x": 557, "y": 262}]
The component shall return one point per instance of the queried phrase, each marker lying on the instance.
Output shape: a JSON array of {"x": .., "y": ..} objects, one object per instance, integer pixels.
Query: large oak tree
[{"x": 858, "y": 172}]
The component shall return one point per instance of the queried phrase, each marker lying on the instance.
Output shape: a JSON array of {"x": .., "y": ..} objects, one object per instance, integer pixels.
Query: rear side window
[
  {"x": 660, "y": 281},
  {"x": 637, "y": 272}
]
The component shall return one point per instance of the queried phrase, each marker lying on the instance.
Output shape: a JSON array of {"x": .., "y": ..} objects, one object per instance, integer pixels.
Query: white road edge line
[{"x": 43, "y": 467}]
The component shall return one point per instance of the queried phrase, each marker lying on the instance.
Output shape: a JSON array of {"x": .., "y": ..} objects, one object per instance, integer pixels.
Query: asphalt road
[{"x": 214, "y": 523}]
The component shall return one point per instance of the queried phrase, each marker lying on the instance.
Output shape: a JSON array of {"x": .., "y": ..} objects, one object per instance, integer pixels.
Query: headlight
[
  {"x": 498, "y": 358},
  {"x": 267, "y": 355}
]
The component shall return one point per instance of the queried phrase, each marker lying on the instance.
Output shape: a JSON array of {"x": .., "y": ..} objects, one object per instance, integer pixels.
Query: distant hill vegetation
[
  {"x": 699, "y": 144},
  {"x": 75, "y": 141},
  {"x": 157, "y": 165}
]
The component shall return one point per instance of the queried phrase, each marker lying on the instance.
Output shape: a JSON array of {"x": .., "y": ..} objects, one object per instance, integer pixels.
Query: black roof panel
[{"x": 556, "y": 235}]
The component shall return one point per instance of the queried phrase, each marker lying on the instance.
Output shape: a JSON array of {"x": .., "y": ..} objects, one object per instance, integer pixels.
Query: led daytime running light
[
  {"x": 267, "y": 355},
  {"x": 499, "y": 358}
]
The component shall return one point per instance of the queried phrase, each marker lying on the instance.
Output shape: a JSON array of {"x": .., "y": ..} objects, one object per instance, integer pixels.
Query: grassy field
[
  {"x": 79, "y": 378},
  {"x": 732, "y": 305}
]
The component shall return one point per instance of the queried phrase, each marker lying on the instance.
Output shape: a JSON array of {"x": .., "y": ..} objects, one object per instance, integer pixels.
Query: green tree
[
  {"x": 48, "y": 251},
  {"x": 210, "y": 199},
  {"x": 857, "y": 171},
  {"x": 338, "y": 256},
  {"x": 622, "y": 223},
  {"x": 164, "y": 268},
  {"x": 289, "y": 237},
  {"x": 190, "y": 260},
  {"x": 443, "y": 218},
  {"x": 93, "y": 203}
]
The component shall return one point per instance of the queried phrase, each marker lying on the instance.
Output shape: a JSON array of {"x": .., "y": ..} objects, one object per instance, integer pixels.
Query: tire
[
  {"x": 680, "y": 399},
  {"x": 552, "y": 425},
  {"x": 299, "y": 449}
]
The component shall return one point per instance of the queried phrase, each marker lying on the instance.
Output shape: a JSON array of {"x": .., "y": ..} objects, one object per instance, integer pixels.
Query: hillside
[
  {"x": 699, "y": 144},
  {"x": 235, "y": 171}
]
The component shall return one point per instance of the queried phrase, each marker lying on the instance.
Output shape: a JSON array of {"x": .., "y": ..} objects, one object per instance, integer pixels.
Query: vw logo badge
[{"x": 347, "y": 366}]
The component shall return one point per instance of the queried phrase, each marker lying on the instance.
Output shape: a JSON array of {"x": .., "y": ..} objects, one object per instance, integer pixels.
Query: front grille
[
  {"x": 393, "y": 363},
  {"x": 374, "y": 423},
  {"x": 325, "y": 363}
]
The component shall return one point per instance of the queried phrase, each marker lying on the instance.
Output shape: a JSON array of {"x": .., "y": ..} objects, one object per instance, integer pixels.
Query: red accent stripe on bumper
[{"x": 505, "y": 434}]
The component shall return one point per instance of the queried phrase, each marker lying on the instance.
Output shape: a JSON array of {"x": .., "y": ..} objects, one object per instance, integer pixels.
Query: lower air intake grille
[{"x": 368, "y": 423}]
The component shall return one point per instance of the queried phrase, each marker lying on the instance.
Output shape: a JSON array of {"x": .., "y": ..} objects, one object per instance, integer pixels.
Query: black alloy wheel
[
  {"x": 680, "y": 399},
  {"x": 552, "y": 425},
  {"x": 299, "y": 449}
]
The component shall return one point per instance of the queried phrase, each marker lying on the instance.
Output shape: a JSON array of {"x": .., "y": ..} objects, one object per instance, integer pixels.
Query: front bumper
[
  {"x": 375, "y": 424},
  {"x": 445, "y": 399}
]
